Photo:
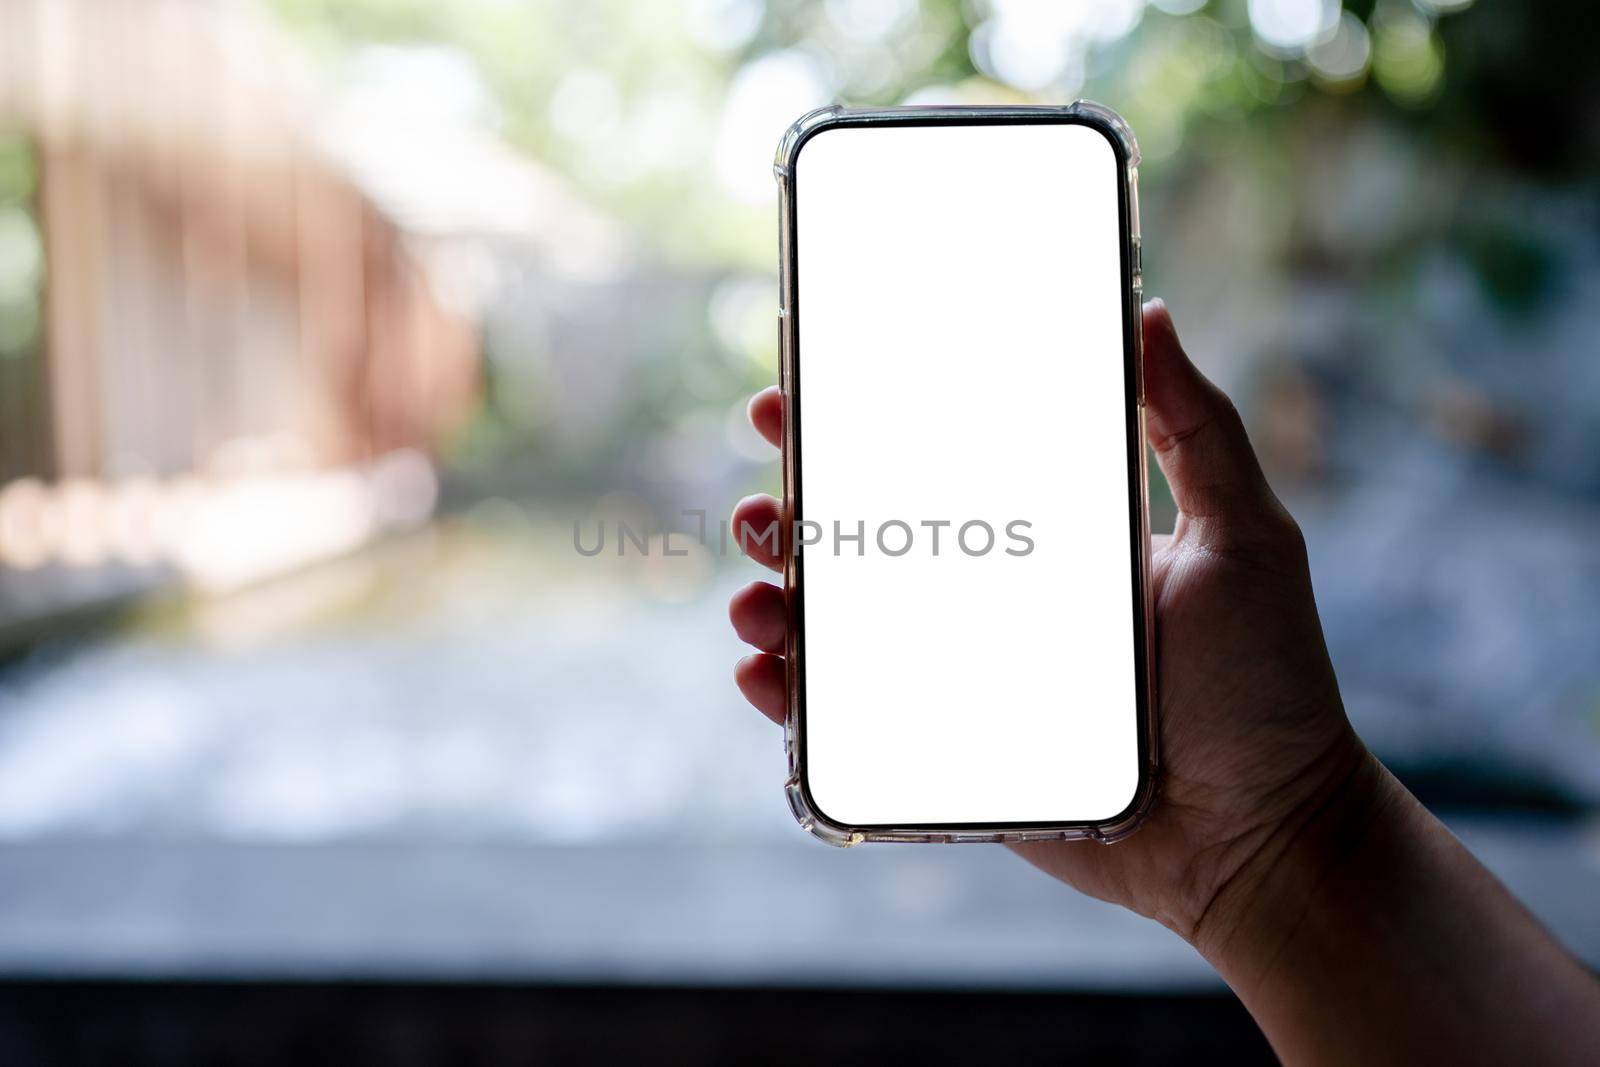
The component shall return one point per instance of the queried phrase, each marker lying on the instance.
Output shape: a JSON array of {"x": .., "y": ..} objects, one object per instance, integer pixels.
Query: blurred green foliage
[
  {"x": 1179, "y": 78},
  {"x": 21, "y": 250},
  {"x": 1283, "y": 139}
]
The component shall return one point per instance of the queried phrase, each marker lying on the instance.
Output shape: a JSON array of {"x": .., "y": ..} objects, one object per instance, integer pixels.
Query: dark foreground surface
[{"x": 248, "y": 1023}]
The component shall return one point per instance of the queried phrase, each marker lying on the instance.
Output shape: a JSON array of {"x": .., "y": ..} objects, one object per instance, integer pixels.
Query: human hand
[
  {"x": 1350, "y": 922},
  {"x": 1254, "y": 739}
]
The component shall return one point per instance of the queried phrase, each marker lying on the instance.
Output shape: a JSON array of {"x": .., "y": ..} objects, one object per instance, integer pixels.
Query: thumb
[{"x": 1197, "y": 435}]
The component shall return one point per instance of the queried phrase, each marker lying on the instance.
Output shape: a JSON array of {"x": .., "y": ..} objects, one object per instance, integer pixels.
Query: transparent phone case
[{"x": 1111, "y": 124}]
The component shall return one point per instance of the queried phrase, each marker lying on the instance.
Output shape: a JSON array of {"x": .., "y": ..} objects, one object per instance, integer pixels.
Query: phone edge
[{"x": 806, "y": 812}]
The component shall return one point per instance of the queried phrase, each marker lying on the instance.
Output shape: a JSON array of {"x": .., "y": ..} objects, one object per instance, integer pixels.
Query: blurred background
[{"x": 323, "y": 321}]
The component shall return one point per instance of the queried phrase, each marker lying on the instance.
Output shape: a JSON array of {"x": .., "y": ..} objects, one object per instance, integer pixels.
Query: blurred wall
[
  {"x": 205, "y": 277},
  {"x": 185, "y": 286}
]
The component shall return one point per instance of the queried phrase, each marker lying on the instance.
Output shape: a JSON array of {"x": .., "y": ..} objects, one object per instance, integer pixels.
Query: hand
[
  {"x": 1348, "y": 919},
  {"x": 1253, "y": 735}
]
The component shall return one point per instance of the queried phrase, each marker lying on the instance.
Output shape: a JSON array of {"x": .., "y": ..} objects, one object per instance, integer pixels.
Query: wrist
[
  {"x": 1297, "y": 869},
  {"x": 1363, "y": 932}
]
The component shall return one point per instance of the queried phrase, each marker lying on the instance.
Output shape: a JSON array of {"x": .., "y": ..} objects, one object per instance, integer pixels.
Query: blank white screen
[{"x": 961, "y": 358}]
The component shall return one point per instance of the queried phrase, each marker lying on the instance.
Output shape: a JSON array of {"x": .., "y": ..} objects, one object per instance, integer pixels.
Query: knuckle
[
  {"x": 1265, "y": 540},
  {"x": 1286, "y": 532},
  {"x": 1226, "y": 410}
]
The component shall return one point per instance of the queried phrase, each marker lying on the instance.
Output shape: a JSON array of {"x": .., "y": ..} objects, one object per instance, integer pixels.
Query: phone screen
[{"x": 965, "y": 476}]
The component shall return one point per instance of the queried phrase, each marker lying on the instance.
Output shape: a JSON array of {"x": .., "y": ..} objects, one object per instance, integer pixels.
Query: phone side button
[
  {"x": 783, "y": 345},
  {"x": 1138, "y": 345}
]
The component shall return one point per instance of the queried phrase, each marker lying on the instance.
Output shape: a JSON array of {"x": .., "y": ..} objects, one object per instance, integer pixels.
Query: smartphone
[{"x": 967, "y": 544}]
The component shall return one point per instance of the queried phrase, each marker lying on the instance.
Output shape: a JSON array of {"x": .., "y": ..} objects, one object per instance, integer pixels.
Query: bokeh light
[{"x": 1289, "y": 27}]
